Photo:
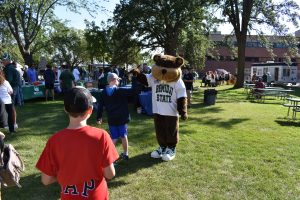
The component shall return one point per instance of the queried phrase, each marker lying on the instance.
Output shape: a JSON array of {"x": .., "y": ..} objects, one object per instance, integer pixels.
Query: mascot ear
[
  {"x": 157, "y": 57},
  {"x": 179, "y": 62}
]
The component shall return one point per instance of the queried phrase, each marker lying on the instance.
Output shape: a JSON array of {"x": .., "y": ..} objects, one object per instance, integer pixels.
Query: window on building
[
  {"x": 259, "y": 72},
  {"x": 260, "y": 44},
  {"x": 209, "y": 58},
  {"x": 286, "y": 72},
  {"x": 256, "y": 59},
  {"x": 248, "y": 59},
  {"x": 254, "y": 69},
  {"x": 255, "y": 44},
  {"x": 252, "y": 59}
]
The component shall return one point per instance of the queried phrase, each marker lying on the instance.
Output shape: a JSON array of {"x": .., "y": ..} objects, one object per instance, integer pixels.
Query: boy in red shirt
[{"x": 79, "y": 157}]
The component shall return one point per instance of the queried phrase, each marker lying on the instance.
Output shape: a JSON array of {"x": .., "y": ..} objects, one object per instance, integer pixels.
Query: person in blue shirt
[
  {"x": 32, "y": 74},
  {"x": 115, "y": 101}
]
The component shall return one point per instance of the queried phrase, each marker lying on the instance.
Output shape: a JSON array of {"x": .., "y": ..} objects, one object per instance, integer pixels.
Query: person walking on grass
[
  {"x": 49, "y": 77},
  {"x": 79, "y": 157},
  {"x": 13, "y": 77},
  {"x": 115, "y": 101},
  {"x": 67, "y": 79},
  {"x": 188, "y": 80},
  {"x": 5, "y": 95}
]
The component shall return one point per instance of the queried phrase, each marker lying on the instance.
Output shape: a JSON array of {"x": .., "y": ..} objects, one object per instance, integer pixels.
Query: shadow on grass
[
  {"x": 217, "y": 122},
  {"x": 267, "y": 101},
  {"x": 32, "y": 189},
  {"x": 287, "y": 122},
  {"x": 206, "y": 108},
  {"x": 134, "y": 164},
  {"x": 227, "y": 95},
  {"x": 39, "y": 118}
]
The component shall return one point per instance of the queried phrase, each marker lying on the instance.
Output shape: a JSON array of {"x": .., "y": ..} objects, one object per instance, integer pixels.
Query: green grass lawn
[{"x": 235, "y": 149}]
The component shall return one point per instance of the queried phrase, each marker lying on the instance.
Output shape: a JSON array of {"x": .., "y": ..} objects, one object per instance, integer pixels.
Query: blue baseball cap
[{"x": 5, "y": 56}]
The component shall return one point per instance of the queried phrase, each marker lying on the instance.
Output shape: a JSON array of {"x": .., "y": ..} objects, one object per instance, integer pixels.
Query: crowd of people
[{"x": 215, "y": 78}]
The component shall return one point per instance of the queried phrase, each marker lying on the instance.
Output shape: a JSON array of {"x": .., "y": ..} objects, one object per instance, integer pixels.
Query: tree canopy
[
  {"x": 97, "y": 42},
  {"x": 159, "y": 23},
  {"x": 68, "y": 45},
  {"x": 26, "y": 18}
]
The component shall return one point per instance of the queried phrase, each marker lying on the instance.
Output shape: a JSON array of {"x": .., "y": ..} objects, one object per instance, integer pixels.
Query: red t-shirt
[{"x": 76, "y": 157}]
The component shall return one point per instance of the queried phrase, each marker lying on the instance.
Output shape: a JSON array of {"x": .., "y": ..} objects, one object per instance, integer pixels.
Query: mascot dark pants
[{"x": 166, "y": 128}]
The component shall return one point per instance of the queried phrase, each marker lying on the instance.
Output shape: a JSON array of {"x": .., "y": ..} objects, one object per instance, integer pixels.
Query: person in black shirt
[
  {"x": 188, "y": 80},
  {"x": 49, "y": 77}
]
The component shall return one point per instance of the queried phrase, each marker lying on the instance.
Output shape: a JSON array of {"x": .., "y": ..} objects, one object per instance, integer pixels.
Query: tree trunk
[
  {"x": 171, "y": 46},
  {"x": 241, "y": 61},
  {"x": 169, "y": 50},
  {"x": 27, "y": 58},
  {"x": 92, "y": 59}
]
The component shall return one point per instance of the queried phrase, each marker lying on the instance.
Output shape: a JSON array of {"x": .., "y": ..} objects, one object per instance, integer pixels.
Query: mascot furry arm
[{"x": 182, "y": 108}]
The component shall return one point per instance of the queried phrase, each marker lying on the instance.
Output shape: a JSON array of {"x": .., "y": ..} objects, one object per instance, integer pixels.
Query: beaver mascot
[{"x": 169, "y": 100}]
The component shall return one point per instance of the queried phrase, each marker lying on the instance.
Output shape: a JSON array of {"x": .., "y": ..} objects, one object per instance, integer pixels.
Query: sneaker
[
  {"x": 139, "y": 110},
  {"x": 16, "y": 126},
  {"x": 158, "y": 152},
  {"x": 13, "y": 132},
  {"x": 169, "y": 154},
  {"x": 124, "y": 157}
]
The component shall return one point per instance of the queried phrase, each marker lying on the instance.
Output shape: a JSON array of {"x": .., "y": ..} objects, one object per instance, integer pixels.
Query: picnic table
[
  {"x": 293, "y": 105},
  {"x": 248, "y": 87},
  {"x": 33, "y": 91},
  {"x": 272, "y": 91}
]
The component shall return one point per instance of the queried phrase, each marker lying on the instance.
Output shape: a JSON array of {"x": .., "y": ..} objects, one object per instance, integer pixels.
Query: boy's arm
[
  {"x": 128, "y": 92},
  {"x": 47, "y": 180},
  {"x": 109, "y": 172}
]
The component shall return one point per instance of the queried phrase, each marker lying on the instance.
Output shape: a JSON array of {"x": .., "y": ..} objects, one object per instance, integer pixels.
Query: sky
[{"x": 77, "y": 20}]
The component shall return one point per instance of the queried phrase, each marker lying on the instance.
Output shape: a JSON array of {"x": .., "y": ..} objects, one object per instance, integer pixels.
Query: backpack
[{"x": 11, "y": 165}]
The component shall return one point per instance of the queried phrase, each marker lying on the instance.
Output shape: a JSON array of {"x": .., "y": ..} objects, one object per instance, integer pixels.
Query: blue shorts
[{"x": 118, "y": 131}]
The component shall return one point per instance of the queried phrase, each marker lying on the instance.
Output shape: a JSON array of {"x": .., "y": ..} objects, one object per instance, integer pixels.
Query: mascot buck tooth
[{"x": 169, "y": 100}]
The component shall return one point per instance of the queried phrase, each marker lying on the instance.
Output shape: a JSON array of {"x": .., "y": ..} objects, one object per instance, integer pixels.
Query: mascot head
[{"x": 167, "y": 68}]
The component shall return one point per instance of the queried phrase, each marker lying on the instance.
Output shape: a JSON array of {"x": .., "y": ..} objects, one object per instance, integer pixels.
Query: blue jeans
[{"x": 17, "y": 99}]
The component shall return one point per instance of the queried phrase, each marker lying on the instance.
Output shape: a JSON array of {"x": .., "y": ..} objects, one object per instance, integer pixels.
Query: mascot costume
[{"x": 168, "y": 102}]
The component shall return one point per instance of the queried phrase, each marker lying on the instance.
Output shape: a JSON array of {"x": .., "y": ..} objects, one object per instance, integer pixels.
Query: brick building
[{"x": 223, "y": 57}]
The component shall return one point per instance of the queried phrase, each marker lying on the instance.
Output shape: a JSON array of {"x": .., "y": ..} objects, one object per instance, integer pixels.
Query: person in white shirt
[
  {"x": 76, "y": 74},
  {"x": 5, "y": 96}
]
